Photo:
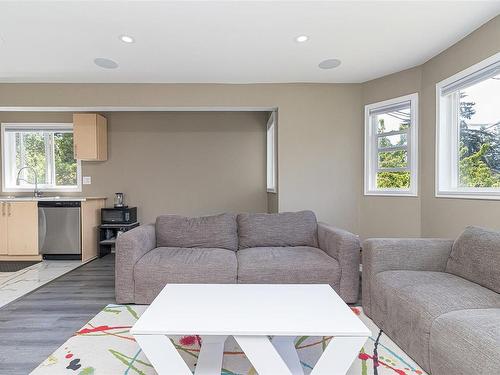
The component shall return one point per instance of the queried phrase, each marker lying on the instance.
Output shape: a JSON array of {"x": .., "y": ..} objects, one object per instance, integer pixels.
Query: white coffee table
[{"x": 250, "y": 313}]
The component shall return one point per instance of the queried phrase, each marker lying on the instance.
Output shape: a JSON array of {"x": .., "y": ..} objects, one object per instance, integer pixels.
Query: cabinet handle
[
  {"x": 76, "y": 152},
  {"x": 9, "y": 213}
]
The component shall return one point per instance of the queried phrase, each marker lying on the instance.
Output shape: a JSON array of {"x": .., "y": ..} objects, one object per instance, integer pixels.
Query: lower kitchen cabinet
[
  {"x": 19, "y": 229},
  {"x": 3, "y": 229}
]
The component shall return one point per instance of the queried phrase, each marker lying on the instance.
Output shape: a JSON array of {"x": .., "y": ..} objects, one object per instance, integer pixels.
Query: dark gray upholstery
[
  {"x": 283, "y": 229},
  {"x": 217, "y": 231},
  {"x": 466, "y": 342},
  {"x": 408, "y": 302},
  {"x": 340, "y": 245},
  {"x": 476, "y": 257},
  {"x": 194, "y": 250},
  {"x": 165, "y": 265},
  {"x": 408, "y": 293},
  {"x": 287, "y": 265},
  {"x": 130, "y": 247}
]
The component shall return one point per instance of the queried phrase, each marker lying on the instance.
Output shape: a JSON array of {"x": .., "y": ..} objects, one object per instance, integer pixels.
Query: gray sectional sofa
[
  {"x": 290, "y": 247},
  {"x": 438, "y": 299}
]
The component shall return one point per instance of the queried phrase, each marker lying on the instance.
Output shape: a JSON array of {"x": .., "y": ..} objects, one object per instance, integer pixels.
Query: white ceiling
[{"x": 227, "y": 42}]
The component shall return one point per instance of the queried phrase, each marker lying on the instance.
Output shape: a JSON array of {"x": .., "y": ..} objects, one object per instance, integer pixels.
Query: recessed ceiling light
[
  {"x": 329, "y": 63},
  {"x": 301, "y": 38},
  {"x": 127, "y": 39},
  {"x": 105, "y": 63}
]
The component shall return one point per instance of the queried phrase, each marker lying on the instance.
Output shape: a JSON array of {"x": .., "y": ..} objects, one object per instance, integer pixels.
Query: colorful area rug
[{"x": 104, "y": 346}]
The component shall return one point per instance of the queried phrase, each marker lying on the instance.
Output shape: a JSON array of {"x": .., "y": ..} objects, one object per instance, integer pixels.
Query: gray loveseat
[
  {"x": 438, "y": 299},
  {"x": 289, "y": 247}
]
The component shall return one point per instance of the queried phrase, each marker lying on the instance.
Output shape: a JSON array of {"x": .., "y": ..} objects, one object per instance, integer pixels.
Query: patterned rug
[{"x": 105, "y": 346}]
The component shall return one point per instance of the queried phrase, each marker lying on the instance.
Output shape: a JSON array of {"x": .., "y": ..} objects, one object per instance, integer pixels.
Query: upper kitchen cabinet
[{"x": 90, "y": 137}]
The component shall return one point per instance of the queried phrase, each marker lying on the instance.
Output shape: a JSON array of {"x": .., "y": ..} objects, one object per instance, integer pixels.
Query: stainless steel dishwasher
[{"x": 59, "y": 229}]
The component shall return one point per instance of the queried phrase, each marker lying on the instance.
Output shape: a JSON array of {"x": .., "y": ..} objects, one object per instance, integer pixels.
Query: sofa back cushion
[
  {"x": 475, "y": 256},
  {"x": 218, "y": 231},
  {"x": 274, "y": 230}
]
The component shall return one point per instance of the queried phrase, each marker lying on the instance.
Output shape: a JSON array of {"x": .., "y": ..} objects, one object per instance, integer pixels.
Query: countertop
[{"x": 10, "y": 198}]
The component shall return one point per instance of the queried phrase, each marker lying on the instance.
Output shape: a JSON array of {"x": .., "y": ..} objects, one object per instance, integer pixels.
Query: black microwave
[{"x": 119, "y": 215}]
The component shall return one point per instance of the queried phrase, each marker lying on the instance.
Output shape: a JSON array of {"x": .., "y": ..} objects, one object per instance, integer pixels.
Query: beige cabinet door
[
  {"x": 90, "y": 137},
  {"x": 22, "y": 236},
  {"x": 3, "y": 228}
]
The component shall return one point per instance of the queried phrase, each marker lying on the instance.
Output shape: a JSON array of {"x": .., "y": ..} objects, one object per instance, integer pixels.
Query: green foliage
[
  {"x": 34, "y": 156},
  {"x": 393, "y": 159},
  {"x": 479, "y": 158},
  {"x": 32, "y": 147},
  {"x": 473, "y": 171},
  {"x": 64, "y": 161},
  {"x": 398, "y": 180}
]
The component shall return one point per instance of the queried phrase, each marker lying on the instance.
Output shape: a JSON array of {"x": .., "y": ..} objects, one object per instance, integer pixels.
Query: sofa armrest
[
  {"x": 345, "y": 248},
  {"x": 408, "y": 254},
  {"x": 130, "y": 247}
]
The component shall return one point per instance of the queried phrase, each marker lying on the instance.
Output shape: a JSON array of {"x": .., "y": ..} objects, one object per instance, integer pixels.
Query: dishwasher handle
[{"x": 42, "y": 227}]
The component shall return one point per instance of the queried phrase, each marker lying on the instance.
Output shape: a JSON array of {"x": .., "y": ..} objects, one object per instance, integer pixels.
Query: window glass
[
  {"x": 47, "y": 152},
  {"x": 479, "y": 132},
  {"x": 390, "y": 179},
  {"x": 65, "y": 163},
  {"x": 394, "y": 120},
  {"x": 30, "y": 150},
  {"x": 271, "y": 153},
  {"x": 390, "y": 147},
  {"x": 397, "y": 121},
  {"x": 393, "y": 140}
]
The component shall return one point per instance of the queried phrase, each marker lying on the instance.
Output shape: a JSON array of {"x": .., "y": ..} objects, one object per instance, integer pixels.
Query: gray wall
[
  {"x": 443, "y": 216},
  {"x": 427, "y": 215},
  {"x": 319, "y": 132},
  {"x": 190, "y": 163},
  {"x": 391, "y": 216}
]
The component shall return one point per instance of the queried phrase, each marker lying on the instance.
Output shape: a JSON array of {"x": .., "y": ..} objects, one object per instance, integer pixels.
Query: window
[
  {"x": 391, "y": 165},
  {"x": 468, "y": 132},
  {"x": 271, "y": 153},
  {"x": 47, "y": 149}
]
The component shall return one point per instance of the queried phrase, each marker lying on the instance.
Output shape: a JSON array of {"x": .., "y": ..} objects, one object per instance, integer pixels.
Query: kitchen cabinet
[
  {"x": 90, "y": 139},
  {"x": 3, "y": 228},
  {"x": 91, "y": 219},
  {"x": 19, "y": 229}
]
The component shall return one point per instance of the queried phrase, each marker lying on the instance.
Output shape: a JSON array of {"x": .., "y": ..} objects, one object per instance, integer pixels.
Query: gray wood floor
[{"x": 32, "y": 327}]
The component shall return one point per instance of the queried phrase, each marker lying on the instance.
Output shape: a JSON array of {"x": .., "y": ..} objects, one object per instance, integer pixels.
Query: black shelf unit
[{"x": 107, "y": 241}]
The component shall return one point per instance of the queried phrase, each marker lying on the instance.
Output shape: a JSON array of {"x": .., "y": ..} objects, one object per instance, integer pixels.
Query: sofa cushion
[
  {"x": 405, "y": 303},
  {"x": 218, "y": 231},
  {"x": 165, "y": 265},
  {"x": 475, "y": 256},
  {"x": 283, "y": 229},
  {"x": 287, "y": 265},
  {"x": 466, "y": 342}
]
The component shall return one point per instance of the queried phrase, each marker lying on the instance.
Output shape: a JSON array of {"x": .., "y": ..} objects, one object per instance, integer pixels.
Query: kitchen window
[
  {"x": 391, "y": 162},
  {"x": 468, "y": 132},
  {"x": 47, "y": 151},
  {"x": 271, "y": 154}
]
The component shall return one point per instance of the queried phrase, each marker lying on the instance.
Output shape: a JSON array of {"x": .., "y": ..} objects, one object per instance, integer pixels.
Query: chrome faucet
[{"x": 36, "y": 193}]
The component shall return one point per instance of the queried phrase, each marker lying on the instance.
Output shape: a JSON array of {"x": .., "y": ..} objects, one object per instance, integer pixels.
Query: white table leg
[
  {"x": 163, "y": 355},
  {"x": 263, "y": 355},
  {"x": 285, "y": 345},
  {"x": 338, "y": 356},
  {"x": 210, "y": 357}
]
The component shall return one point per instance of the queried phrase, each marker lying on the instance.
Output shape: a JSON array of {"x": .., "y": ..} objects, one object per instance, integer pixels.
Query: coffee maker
[{"x": 119, "y": 200}]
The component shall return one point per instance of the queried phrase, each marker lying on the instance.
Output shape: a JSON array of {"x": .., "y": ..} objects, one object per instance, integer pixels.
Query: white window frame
[
  {"x": 271, "y": 154},
  {"x": 447, "y": 137},
  {"x": 372, "y": 148},
  {"x": 50, "y": 168}
]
